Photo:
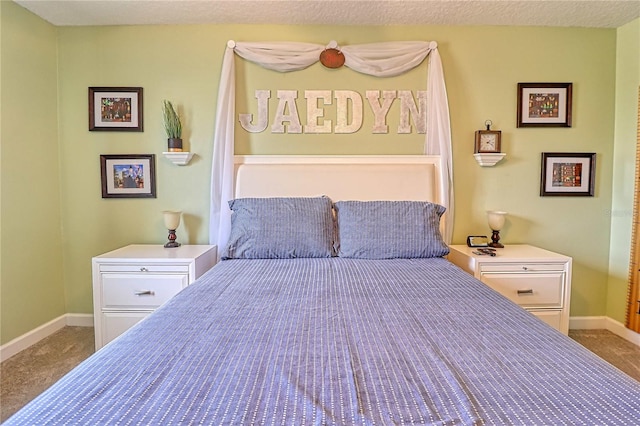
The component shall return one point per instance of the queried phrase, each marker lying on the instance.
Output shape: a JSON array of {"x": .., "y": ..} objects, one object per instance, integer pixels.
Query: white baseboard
[
  {"x": 587, "y": 323},
  {"x": 618, "y": 328},
  {"x": 20, "y": 343},
  {"x": 80, "y": 320},
  {"x": 604, "y": 323}
]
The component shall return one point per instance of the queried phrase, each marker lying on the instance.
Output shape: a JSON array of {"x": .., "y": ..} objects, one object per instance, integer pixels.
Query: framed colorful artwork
[
  {"x": 544, "y": 104},
  {"x": 568, "y": 173},
  {"x": 128, "y": 176},
  {"x": 115, "y": 109}
]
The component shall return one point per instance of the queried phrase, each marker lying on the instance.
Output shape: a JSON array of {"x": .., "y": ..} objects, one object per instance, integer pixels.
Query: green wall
[
  {"x": 32, "y": 286},
  {"x": 482, "y": 67},
  {"x": 626, "y": 122}
]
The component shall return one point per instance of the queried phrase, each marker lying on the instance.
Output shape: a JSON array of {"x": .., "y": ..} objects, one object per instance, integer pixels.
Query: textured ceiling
[{"x": 584, "y": 13}]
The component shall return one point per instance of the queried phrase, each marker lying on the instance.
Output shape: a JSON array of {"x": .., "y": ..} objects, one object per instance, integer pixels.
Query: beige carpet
[
  {"x": 618, "y": 351},
  {"x": 27, "y": 374}
]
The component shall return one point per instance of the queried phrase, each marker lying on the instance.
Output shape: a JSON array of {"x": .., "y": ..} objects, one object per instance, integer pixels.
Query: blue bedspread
[{"x": 339, "y": 341}]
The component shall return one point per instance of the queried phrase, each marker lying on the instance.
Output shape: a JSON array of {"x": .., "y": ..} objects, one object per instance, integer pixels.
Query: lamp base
[
  {"x": 495, "y": 240},
  {"x": 172, "y": 243}
]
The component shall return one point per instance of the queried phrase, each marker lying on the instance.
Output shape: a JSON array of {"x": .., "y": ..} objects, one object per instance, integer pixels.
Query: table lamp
[
  {"x": 496, "y": 222},
  {"x": 172, "y": 221}
]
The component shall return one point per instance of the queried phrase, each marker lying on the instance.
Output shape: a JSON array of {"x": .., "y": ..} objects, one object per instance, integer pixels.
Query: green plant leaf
[{"x": 171, "y": 120}]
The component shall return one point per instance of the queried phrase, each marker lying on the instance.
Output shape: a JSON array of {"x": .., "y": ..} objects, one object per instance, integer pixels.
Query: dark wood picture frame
[
  {"x": 115, "y": 109},
  {"x": 568, "y": 174},
  {"x": 544, "y": 104},
  {"x": 128, "y": 176}
]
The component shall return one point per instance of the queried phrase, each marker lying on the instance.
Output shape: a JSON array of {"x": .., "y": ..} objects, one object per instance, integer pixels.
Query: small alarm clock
[{"x": 478, "y": 241}]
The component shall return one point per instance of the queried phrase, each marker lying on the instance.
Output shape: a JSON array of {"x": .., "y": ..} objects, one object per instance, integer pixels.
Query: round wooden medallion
[{"x": 332, "y": 58}]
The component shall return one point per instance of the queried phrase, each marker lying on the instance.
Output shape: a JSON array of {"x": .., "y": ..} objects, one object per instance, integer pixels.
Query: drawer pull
[
  {"x": 143, "y": 269},
  {"x": 529, "y": 291},
  {"x": 525, "y": 268},
  {"x": 144, "y": 293}
]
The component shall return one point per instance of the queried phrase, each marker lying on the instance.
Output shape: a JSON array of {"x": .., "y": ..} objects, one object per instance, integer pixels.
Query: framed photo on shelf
[
  {"x": 568, "y": 174},
  {"x": 116, "y": 109},
  {"x": 544, "y": 104},
  {"x": 128, "y": 176}
]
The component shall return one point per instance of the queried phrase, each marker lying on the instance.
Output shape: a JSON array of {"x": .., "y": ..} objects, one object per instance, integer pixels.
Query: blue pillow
[
  {"x": 389, "y": 229},
  {"x": 280, "y": 228}
]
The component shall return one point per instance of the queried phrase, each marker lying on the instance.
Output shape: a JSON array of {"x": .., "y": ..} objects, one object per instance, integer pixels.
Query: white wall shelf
[
  {"x": 179, "y": 158},
  {"x": 489, "y": 159}
]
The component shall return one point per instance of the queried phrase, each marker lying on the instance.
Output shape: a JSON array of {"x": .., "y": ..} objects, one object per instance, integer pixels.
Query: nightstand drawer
[
  {"x": 141, "y": 291},
  {"x": 141, "y": 267},
  {"x": 116, "y": 323},
  {"x": 535, "y": 290},
  {"x": 553, "y": 317},
  {"x": 521, "y": 267}
]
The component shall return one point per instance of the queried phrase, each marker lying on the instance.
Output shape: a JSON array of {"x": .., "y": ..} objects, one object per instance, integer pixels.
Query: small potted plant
[{"x": 172, "y": 126}]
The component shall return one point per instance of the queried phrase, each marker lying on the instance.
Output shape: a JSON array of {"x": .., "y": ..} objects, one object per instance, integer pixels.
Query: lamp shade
[
  {"x": 171, "y": 219},
  {"x": 496, "y": 219}
]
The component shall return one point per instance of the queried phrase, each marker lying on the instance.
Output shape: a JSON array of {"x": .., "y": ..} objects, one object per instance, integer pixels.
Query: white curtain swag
[{"x": 386, "y": 59}]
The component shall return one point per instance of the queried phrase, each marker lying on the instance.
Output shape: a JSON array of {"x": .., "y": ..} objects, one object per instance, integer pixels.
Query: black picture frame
[
  {"x": 568, "y": 174},
  {"x": 545, "y": 104},
  {"x": 116, "y": 109},
  {"x": 128, "y": 176}
]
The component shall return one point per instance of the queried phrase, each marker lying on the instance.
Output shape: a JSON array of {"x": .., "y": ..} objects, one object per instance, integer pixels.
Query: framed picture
[
  {"x": 115, "y": 109},
  {"x": 128, "y": 176},
  {"x": 544, "y": 104},
  {"x": 568, "y": 173}
]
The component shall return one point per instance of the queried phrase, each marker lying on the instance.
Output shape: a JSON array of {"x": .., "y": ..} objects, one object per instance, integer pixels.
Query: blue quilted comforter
[{"x": 339, "y": 342}]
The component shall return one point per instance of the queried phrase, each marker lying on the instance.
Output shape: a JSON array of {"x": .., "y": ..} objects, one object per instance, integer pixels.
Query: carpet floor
[
  {"x": 613, "y": 348},
  {"x": 28, "y": 373}
]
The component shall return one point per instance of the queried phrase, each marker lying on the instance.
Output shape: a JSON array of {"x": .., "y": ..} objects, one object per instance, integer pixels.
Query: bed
[{"x": 332, "y": 310}]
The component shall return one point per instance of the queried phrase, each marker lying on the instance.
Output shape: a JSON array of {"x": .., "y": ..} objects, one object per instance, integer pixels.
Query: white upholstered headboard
[{"x": 343, "y": 177}]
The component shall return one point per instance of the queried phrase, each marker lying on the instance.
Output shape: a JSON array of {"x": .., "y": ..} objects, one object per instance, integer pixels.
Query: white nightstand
[
  {"x": 131, "y": 282},
  {"x": 536, "y": 279}
]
